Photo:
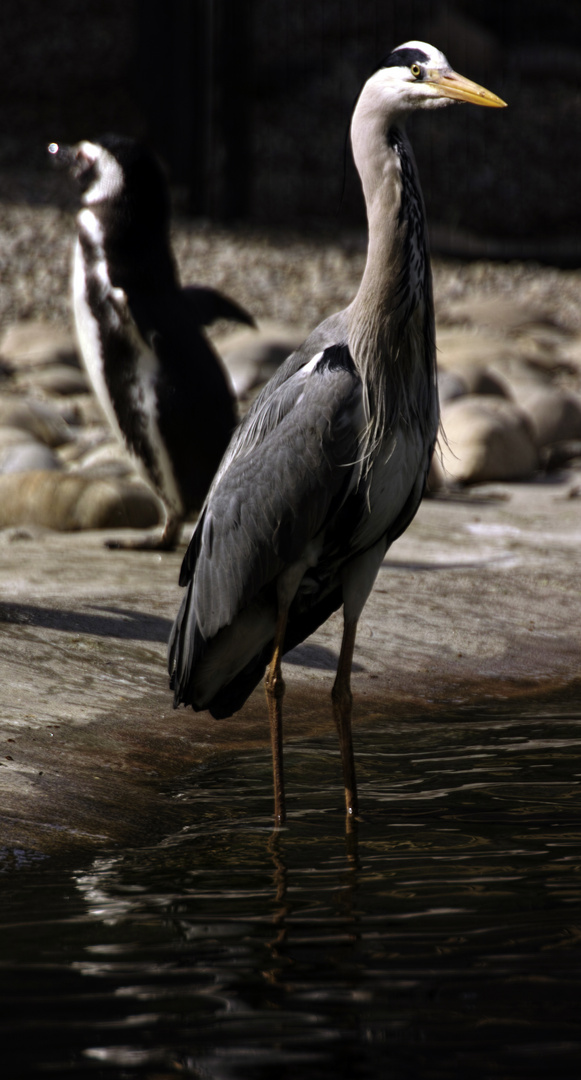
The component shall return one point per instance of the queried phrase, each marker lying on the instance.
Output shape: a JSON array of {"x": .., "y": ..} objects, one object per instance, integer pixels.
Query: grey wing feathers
[
  {"x": 331, "y": 333},
  {"x": 274, "y": 495}
]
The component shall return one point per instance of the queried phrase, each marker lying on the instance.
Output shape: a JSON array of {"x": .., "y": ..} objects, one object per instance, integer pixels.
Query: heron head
[{"x": 418, "y": 76}]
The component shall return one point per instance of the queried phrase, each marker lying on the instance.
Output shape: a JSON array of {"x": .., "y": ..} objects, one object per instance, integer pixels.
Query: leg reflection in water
[{"x": 285, "y": 915}]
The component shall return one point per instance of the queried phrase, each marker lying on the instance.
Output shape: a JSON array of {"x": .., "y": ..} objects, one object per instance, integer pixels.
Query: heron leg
[
  {"x": 274, "y": 686},
  {"x": 342, "y": 703}
]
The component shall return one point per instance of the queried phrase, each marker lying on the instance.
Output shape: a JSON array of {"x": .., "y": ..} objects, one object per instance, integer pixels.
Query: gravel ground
[{"x": 291, "y": 278}]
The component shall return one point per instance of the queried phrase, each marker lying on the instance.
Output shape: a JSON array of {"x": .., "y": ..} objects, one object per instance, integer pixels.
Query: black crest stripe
[{"x": 405, "y": 58}]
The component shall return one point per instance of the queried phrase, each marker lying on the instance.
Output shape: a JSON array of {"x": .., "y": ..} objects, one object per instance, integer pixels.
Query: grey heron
[
  {"x": 156, "y": 375},
  {"x": 329, "y": 466}
]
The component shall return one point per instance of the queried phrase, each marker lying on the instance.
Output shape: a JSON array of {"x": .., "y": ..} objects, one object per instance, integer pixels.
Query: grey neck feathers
[{"x": 391, "y": 319}]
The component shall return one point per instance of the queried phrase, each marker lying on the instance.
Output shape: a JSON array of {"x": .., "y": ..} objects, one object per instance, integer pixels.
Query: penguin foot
[
  {"x": 143, "y": 543},
  {"x": 152, "y": 541}
]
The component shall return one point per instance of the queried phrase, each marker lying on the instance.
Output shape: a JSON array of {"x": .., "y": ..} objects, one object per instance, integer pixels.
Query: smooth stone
[
  {"x": 458, "y": 349},
  {"x": 58, "y": 379},
  {"x": 82, "y": 410},
  {"x": 86, "y": 440},
  {"x": 65, "y": 502},
  {"x": 481, "y": 380},
  {"x": 555, "y": 414},
  {"x": 21, "y": 452},
  {"x": 36, "y": 343},
  {"x": 487, "y": 438},
  {"x": 463, "y": 351},
  {"x": 498, "y": 313},
  {"x": 451, "y": 385},
  {"x": 571, "y": 352},
  {"x": 29, "y": 456},
  {"x": 18, "y": 533},
  {"x": 14, "y": 436},
  {"x": 522, "y": 376},
  {"x": 108, "y": 455},
  {"x": 251, "y": 357},
  {"x": 560, "y": 454},
  {"x": 38, "y": 417}
]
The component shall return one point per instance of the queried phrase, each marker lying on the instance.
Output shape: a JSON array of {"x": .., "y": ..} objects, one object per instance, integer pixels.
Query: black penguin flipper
[{"x": 208, "y": 304}]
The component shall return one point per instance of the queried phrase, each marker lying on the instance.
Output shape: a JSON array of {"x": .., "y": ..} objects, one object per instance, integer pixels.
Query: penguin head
[{"x": 117, "y": 173}]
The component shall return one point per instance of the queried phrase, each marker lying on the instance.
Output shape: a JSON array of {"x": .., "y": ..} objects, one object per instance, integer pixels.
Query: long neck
[{"x": 391, "y": 319}]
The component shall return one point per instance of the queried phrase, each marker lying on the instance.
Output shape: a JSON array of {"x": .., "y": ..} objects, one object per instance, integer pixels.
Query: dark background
[{"x": 248, "y": 101}]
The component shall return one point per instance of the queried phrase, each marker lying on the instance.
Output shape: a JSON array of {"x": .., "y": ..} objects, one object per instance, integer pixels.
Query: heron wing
[
  {"x": 294, "y": 465},
  {"x": 332, "y": 333}
]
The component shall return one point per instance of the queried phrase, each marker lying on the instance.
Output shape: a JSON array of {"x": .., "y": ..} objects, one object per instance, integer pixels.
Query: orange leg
[
  {"x": 342, "y": 703},
  {"x": 274, "y": 685}
]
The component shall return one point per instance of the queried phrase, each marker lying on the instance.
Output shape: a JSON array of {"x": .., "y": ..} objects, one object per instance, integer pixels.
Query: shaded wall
[{"x": 249, "y": 101}]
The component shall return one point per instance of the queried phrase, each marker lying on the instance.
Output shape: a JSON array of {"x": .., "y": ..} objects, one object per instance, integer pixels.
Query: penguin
[{"x": 157, "y": 377}]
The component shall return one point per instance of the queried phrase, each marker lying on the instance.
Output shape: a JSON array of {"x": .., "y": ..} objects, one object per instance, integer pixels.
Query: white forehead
[
  {"x": 108, "y": 182},
  {"x": 435, "y": 57}
]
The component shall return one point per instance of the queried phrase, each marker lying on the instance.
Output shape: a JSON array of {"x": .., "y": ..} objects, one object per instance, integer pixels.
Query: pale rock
[
  {"x": 21, "y": 452},
  {"x": 498, "y": 313},
  {"x": 486, "y": 438},
  {"x": 14, "y": 436},
  {"x": 37, "y": 417},
  {"x": 555, "y": 414},
  {"x": 56, "y": 379},
  {"x": 465, "y": 351},
  {"x": 499, "y": 332},
  {"x": 87, "y": 439},
  {"x": 481, "y": 380},
  {"x": 458, "y": 349},
  {"x": 82, "y": 410},
  {"x": 451, "y": 385},
  {"x": 108, "y": 458},
  {"x": 27, "y": 457},
  {"x": 560, "y": 455},
  {"x": 571, "y": 352},
  {"x": 251, "y": 357},
  {"x": 66, "y": 502},
  {"x": 523, "y": 377},
  {"x": 36, "y": 343}
]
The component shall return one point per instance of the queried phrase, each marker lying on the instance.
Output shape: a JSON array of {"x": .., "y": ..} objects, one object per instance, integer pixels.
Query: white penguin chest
[{"x": 104, "y": 325}]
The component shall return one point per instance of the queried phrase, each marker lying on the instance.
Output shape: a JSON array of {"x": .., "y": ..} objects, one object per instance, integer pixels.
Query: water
[{"x": 441, "y": 940}]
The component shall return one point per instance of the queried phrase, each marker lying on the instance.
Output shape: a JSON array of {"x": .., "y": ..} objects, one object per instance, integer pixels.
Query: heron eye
[{"x": 415, "y": 70}]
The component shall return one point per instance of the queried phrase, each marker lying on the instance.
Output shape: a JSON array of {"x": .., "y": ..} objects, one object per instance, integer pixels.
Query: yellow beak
[{"x": 456, "y": 86}]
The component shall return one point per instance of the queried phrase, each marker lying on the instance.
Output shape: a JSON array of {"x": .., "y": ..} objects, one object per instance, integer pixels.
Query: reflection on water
[{"x": 443, "y": 940}]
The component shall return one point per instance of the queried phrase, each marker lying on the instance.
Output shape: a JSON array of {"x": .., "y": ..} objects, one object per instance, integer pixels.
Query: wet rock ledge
[{"x": 477, "y": 603}]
